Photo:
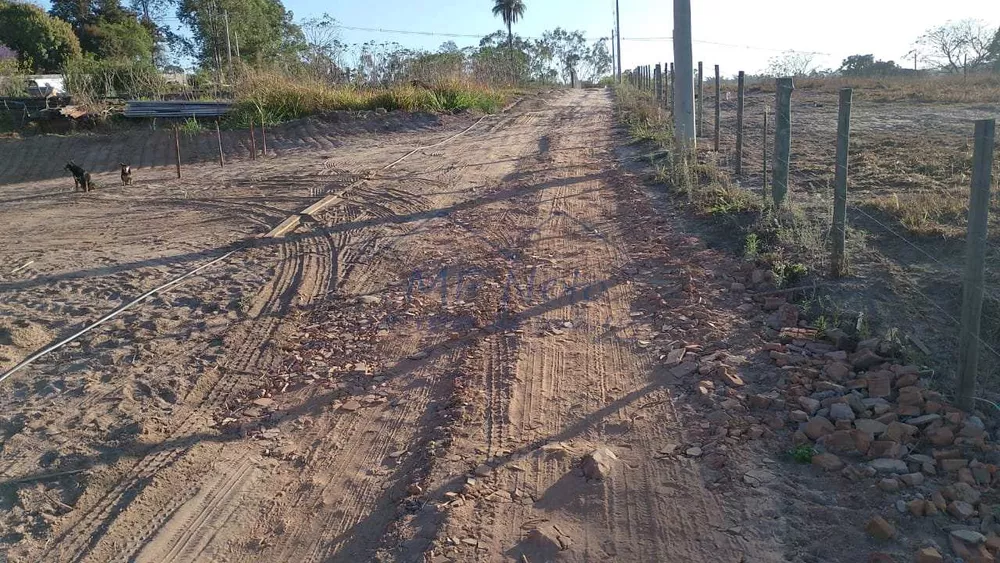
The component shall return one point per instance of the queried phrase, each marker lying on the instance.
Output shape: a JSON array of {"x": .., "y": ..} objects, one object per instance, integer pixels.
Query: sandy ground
[{"x": 413, "y": 375}]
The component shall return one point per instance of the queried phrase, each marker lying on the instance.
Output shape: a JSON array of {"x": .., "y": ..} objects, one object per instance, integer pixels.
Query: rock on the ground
[
  {"x": 969, "y": 536},
  {"x": 929, "y": 555},
  {"x": 886, "y": 465},
  {"x": 889, "y": 485},
  {"x": 866, "y": 359},
  {"x": 837, "y": 371},
  {"x": 828, "y": 462},
  {"x": 963, "y": 492},
  {"x": 598, "y": 463},
  {"x": 872, "y": 427},
  {"x": 817, "y": 427},
  {"x": 961, "y": 510},
  {"x": 879, "y": 528},
  {"x": 546, "y": 541},
  {"x": 809, "y": 404},
  {"x": 841, "y": 411}
]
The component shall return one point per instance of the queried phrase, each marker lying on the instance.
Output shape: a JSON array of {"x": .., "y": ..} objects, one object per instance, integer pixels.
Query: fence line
[{"x": 975, "y": 284}]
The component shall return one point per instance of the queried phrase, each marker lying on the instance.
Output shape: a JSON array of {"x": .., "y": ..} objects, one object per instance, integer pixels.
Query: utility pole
[
  {"x": 684, "y": 102},
  {"x": 229, "y": 44},
  {"x": 618, "y": 39},
  {"x": 614, "y": 61}
]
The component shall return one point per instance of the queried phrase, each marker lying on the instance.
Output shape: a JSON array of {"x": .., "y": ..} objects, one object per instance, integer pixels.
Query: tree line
[
  {"x": 954, "y": 47},
  {"x": 263, "y": 33}
]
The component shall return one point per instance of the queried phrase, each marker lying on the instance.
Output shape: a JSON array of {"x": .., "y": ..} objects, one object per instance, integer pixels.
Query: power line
[
  {"x": 663, "y": 39},
  {"x": 651, "y": 39}
]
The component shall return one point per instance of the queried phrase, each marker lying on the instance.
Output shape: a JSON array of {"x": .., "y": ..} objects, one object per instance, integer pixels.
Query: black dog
[
  {"x": 81, "y": 177},
  {"x": 126, "y": 174}
]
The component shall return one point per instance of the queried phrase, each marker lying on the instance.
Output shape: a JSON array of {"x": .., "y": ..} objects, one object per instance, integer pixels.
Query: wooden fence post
[
  {"x": 763, "y": 153},
  {"x": 782, "y": 140},
  {"x": 253, "y": 142},
  {"x": 673, "y": 83},
  {"x": 718, "y": 107},
  {"x": 838, "y": 262},
  {"x": 659, "y": 84},
  {"x": 975, "y": 256},
  {"x": 218, "y": 134},
  {"x": 263, "y": 137},
  {"x": 177, "y": 149},
  {"x": 701, "y": 100},
  {"x": 739, "y": 123}
]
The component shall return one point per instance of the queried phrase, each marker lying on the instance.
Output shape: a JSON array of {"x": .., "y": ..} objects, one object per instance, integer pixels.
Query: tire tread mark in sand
[
  {"x": 219, "y": 501},
  {"x": 92, "y": 526},
  {"x": 305, "y": 277}
]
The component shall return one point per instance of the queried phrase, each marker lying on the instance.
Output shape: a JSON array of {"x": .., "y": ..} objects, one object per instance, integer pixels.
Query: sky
[
  {"x": 757, "y": 30},
  {"x": 751, "y": 32}
]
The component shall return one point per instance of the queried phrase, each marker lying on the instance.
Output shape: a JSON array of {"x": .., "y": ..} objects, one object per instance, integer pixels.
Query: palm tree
[{"x": 510, "y": 11}]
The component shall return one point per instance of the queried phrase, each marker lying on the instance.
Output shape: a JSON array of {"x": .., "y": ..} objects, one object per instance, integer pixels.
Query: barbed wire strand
[{"x": 917, "y": 289}]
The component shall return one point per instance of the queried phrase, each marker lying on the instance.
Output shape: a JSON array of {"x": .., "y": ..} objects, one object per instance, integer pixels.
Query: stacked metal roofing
[{"x": 179, "y": 109}]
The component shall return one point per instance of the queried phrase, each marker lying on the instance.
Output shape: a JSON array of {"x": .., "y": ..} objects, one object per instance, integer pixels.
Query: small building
[{"x": 46, "y": 85}]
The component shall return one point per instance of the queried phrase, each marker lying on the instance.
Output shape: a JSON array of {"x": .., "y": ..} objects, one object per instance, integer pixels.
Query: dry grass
[
  {"x": 921, "y": 181},
  {"x": 275, "y": 97},
  {"x": 927, "y": 213},
  {"x": 978, "y": 88}
]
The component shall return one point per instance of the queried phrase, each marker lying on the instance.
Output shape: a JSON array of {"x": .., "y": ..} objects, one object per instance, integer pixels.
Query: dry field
[
  {"x": 910, "y": 166},
  {"x": 414, "y": 374}
]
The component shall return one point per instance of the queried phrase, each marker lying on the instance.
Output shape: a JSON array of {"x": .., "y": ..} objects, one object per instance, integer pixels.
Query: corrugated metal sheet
[{"x": 178, "y": 109}]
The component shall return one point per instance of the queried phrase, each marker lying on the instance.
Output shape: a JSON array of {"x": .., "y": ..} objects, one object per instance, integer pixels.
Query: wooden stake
[
  {"x": 764, "y": 155},
  {"x": 263, "y": 137},
  {"x": 177, "y": 149},
  {"x": 701, "y": 100},
  {"x": 838, "y": 263},
  {"x": 782, "y": 141},
  {"x": 975, "y": 256},
  {"x": 739, "y": 123},
  {"x": 253, "y": 142},
  {"x": 218, "y": 134},
  {"x": 718, "y": 107}
]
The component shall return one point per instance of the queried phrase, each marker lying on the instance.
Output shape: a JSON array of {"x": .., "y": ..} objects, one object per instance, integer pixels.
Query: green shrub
[{"x": 91, "y": 79}]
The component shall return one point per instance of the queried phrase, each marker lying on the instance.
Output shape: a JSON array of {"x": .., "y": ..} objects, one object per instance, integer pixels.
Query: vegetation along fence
[{"x": 884, "y": 191}]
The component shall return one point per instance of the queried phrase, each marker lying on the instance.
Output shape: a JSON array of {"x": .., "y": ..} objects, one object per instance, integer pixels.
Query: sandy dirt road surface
[{"x": 415, "y": 374}]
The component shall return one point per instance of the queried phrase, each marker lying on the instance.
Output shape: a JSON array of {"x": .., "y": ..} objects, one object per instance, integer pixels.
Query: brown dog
[
  {"x": 126, "y": 174},
  {"x": 81, "y": 178}
]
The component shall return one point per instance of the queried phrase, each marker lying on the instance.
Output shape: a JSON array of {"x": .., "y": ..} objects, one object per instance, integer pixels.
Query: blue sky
[{"x": 752, "y": 31}]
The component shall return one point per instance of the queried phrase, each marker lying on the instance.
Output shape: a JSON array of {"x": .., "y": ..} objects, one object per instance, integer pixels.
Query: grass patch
[
  {"x": 273, "y": 98},
  {"x": 191, "y": 127},
  {"x": 927, "y": 213},
  {"x": 802, "y": 454}
]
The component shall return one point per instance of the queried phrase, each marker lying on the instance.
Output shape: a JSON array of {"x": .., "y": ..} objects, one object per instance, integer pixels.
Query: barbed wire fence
[{"x": 945, "y": 278}]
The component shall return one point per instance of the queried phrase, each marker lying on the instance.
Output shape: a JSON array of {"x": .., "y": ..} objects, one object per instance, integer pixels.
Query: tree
[
  {"x": 569, "y": 48},
  {"x": 957, "y": 45},
  {"x": 264, "y": 28},
  {"x": 598, "y": 61},
  {"x": 127, "y": 40},
  {"x": 510, "y": 11},
  {"x": 790, "y": 63},
  {"x": 866, "y": 65},
  {"x": 323, "y": 52},
  {"x": 107, "y": 29},
  {"x": 42, "y": 42}
]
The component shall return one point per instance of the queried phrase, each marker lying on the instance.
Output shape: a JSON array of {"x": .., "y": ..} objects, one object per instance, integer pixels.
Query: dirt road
[{"x": 416, "y": 374}]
